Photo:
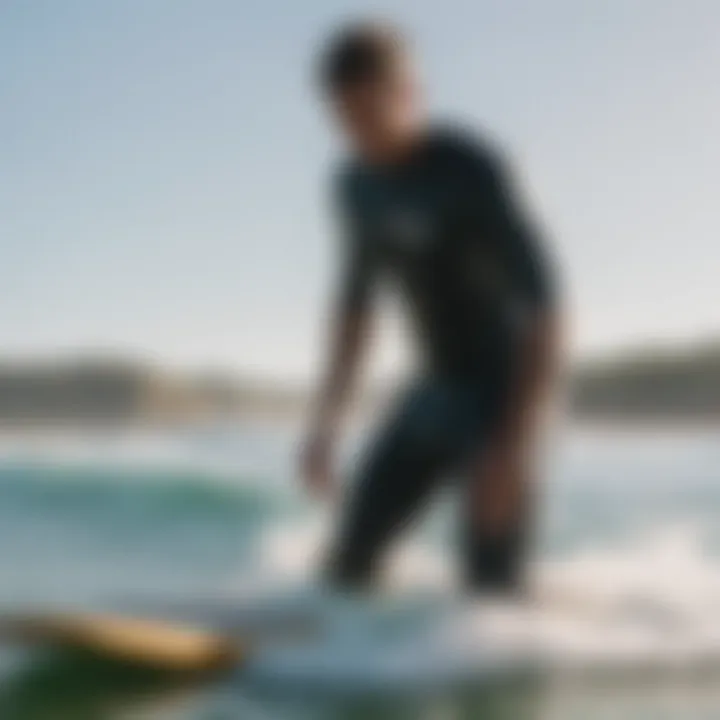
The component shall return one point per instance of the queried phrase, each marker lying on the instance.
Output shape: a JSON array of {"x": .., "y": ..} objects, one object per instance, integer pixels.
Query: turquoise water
[{"x": 93, "y": 522}]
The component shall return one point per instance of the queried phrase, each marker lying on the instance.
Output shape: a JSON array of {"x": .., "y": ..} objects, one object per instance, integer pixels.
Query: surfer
[{"x": 435, "y": 211}]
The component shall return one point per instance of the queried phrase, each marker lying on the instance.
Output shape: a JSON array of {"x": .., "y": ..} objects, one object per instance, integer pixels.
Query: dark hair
[{"x": 357, "y": 52}]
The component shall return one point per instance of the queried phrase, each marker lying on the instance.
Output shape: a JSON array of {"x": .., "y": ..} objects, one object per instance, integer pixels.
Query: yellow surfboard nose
[{"x": 138, "y": 642}]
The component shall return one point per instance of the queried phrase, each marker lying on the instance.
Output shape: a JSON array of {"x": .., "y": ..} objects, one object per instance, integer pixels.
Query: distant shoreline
[
  {"x": 675, "y": 388},
  {"x": 604, "y": 425},
  {"x": 655, "y": 425}
]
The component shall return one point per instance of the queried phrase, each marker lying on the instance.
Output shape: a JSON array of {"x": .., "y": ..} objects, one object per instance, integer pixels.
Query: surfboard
[
  {"x": 283, "y": 640},
  {"x": 195, "y": 636},
  {"x": 365, "y": 643},
  {"x": 143, "y": 643}
]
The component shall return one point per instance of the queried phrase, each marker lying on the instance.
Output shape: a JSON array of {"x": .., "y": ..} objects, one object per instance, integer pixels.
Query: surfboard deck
[{"x": 144, "y": 643}]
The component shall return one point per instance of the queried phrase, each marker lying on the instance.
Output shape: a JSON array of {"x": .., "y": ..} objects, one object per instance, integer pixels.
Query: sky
[{"x": 164, "y": 167}]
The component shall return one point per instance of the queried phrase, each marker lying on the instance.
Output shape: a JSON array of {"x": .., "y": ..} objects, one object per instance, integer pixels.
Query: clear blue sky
[{"x": 163, "y": 165}]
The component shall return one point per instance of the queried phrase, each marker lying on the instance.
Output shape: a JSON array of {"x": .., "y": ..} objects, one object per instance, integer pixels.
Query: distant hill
[
  {"x": 109, "y": 391},
  {"x": 651, "y": 384}
]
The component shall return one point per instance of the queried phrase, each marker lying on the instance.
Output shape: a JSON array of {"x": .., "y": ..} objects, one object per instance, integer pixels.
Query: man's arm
[
  {"x": 346, "y": 342},
  {"x": 350, "y": 327}
]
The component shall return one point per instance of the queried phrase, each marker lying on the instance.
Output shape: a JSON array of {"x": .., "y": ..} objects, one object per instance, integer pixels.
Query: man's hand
[{"x": 317, "y": 465}]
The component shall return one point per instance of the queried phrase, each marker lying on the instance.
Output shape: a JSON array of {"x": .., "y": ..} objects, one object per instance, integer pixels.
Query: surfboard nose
[{"x": 137, "y": 642}]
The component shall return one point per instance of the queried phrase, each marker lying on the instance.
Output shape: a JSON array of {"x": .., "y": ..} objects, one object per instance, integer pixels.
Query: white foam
[{"x": 647, "y": 606}]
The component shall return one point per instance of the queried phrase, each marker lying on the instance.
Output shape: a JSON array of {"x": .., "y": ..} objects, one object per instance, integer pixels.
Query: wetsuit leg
[
  {"x": 494, "y": 563},
  {"x": 403, "y": 466},
  {"x": 491, "y": 561},
  {"x": 434, "y": 432}
]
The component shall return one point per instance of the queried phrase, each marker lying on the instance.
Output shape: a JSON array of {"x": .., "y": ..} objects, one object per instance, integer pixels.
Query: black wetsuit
[{"x": 447, "y": 230}]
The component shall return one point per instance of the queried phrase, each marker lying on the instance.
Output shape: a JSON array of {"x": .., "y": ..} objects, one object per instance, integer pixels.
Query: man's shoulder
[{"x": 465, "y": 147}]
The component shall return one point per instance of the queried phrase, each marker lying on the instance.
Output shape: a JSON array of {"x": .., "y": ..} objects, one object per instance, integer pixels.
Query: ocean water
[{"x": 626, "y": 571}]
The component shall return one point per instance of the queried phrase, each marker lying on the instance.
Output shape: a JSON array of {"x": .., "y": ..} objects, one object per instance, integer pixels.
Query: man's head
[{"x": 367, "y": 73}]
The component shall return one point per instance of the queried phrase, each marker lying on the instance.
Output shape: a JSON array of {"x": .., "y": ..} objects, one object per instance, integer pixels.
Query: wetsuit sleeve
[
  {"x": 504, "y": 218},
  {"x": 357, "y": 263}
]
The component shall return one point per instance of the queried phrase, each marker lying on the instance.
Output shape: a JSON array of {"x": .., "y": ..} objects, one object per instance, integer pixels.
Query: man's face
[{"x": 374, "y": 113}]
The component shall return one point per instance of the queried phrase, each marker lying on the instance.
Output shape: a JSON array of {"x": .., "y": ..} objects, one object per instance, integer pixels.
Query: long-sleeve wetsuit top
[{"x": 447, "y": 227}]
